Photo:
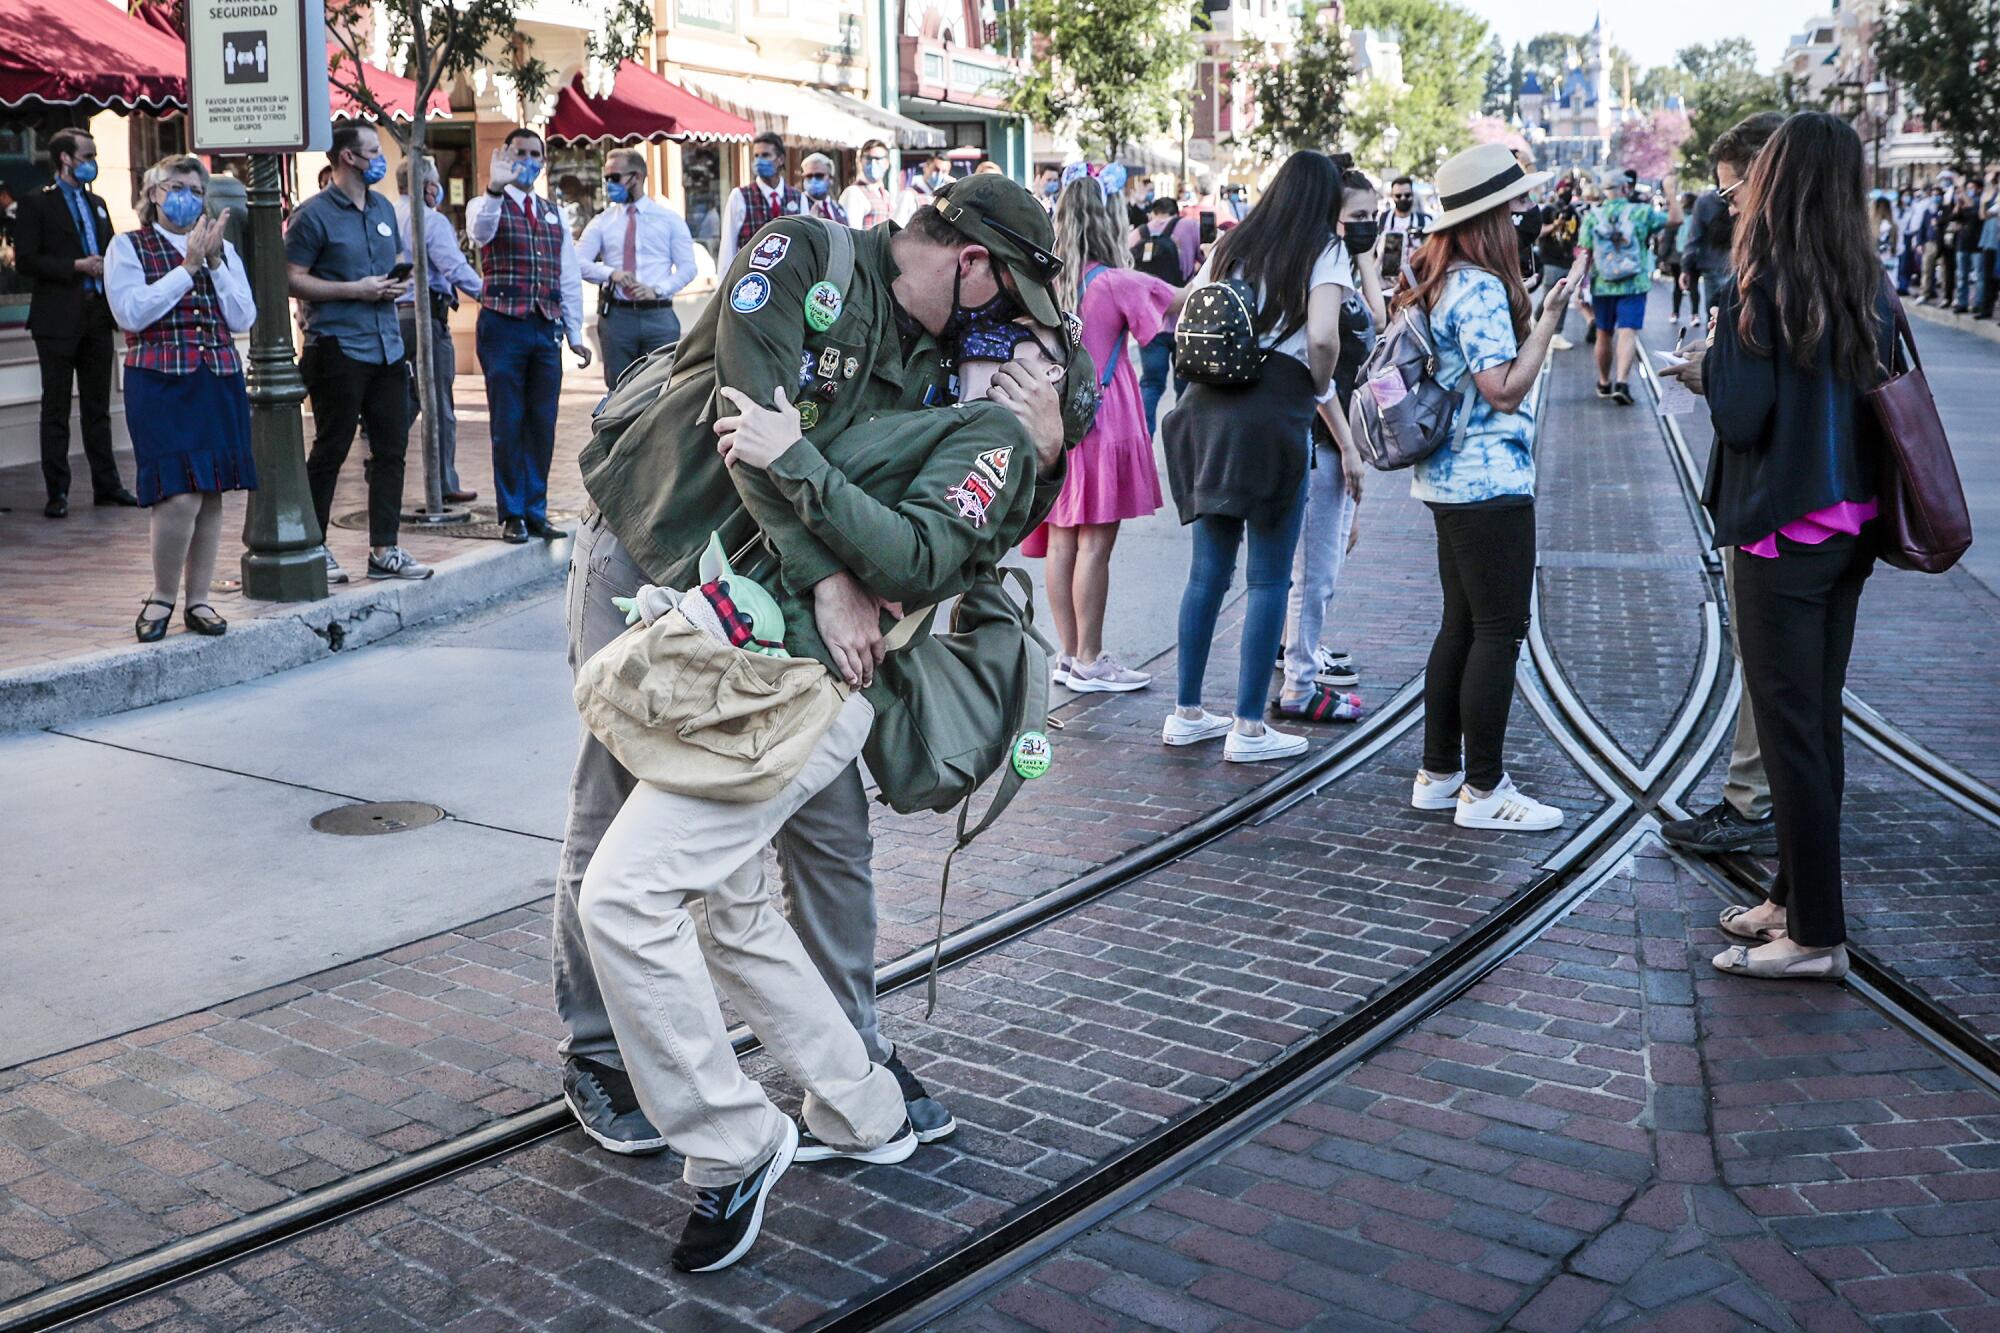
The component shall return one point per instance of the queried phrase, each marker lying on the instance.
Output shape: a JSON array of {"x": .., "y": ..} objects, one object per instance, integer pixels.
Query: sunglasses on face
[
  {"x": 817, "y": 176},
  {"x": 619, "y": 177},
  {"x": 1728, "y": 190}
]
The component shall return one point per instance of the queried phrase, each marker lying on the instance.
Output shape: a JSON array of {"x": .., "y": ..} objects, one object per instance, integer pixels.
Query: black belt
[{"x": 611, "y": 303}]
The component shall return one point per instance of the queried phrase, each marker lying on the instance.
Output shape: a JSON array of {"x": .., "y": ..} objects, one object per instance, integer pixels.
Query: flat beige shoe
[
  {"x": 1826, "y": 965},
  {"x": 1742, "y": 930}
]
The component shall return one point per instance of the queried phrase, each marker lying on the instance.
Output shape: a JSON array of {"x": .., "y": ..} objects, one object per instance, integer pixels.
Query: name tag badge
[{"x": 382, "y": 229}]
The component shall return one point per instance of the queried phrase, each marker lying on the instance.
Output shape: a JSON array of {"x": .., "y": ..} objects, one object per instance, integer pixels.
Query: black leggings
[
  {"x": 1795, "y": 620},
  {"x": 1486, "y": 564}
]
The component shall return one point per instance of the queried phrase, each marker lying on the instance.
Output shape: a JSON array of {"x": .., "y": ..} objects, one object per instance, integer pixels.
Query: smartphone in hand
[{"x": 400, "y": 272}]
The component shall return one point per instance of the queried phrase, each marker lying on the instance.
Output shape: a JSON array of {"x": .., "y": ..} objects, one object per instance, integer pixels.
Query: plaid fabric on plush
[
  {"x": 193, "y": 333},
  {"x": 736, "y": 624},
  {"x": 757, "y": 209},
  {"x": 522, "y": 264}
]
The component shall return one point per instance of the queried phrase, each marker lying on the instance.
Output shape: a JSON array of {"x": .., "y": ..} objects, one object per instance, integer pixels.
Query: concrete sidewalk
[{"x": 70, "y": 587}]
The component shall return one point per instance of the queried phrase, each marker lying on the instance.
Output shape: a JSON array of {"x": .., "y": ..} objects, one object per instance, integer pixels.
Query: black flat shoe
[
  {"x": 210, "y": 624},
  {"x": 513, "y": 531},
  {"x": 57, "y": 507},
  {"x": 121, "y": 497},
  {"x": 547, "y": 531},
  {"x": 152, "y": 631}
]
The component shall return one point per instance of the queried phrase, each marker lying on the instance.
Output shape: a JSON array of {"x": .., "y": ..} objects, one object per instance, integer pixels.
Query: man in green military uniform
[{"x": 845, "y": 351}]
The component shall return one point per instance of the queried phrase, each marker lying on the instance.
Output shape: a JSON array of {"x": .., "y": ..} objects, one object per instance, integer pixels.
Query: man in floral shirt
[{"x": 1619, "y": 234}]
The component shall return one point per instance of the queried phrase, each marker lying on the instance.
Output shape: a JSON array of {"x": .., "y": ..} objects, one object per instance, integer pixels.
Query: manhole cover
[{"x": 376, "y": 817}]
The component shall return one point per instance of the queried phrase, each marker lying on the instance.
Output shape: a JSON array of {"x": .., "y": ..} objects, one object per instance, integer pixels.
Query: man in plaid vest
[
  {"x": 533, "y": 291},
  {"x": 751, "y": 206}
]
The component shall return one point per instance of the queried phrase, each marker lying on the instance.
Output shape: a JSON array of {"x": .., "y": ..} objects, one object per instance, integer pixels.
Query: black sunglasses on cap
[{"x": 1045, "y": 264}]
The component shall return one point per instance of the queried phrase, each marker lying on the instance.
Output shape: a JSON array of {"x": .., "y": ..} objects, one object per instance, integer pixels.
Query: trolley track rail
[{"x": 143, "y": 1274}]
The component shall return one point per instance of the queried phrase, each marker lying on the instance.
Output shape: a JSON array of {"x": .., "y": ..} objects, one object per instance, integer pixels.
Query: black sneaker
[
  {"x": 1603, "y": 389},
  {"x": 1621, "y": 393},
  {"x": 927, "y": 1115},
  {"x": 1719, "y": 829},
  {"x": 602, "y": 1100},
  {"x": 725, "y": 1221},
  {"x": 901, "y": 1144}
]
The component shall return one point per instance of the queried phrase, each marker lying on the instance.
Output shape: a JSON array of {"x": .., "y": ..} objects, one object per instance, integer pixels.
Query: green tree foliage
[
  {"x": 1444, "y": 67},
  {"x": 1723, "y": 86},
  {"x": 1946, "y": 56},
  {"x": 1499, "y": 99},
  {"x": 1300, "y": 90},
  {"x": 1105, "y": 71}
]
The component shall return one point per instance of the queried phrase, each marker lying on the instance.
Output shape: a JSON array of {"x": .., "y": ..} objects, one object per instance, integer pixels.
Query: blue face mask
[
  {"x": 85, "y": 172},
  {"x": 377, "y": 168},
  {"x": 819, "y": 187},
  {"x": 181, "y": 206},
  {"x": 618, "y": 192},
  {"x": 940, "y": 179},
  {"x": 872, "y": 171},
  {"x": 1052, "y": 188},
  {"x": 767, "y": 167},
  {"x": 525, "y": 171}
]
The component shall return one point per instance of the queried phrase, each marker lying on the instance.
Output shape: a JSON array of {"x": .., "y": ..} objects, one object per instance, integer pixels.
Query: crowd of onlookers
[{"x": 1945, "y": 242}]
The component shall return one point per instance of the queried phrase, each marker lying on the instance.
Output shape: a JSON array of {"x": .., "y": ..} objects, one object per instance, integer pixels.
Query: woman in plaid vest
[{"x": 179, "y": 291}]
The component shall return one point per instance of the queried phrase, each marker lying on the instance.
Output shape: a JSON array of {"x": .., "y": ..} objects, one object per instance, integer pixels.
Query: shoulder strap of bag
[
  {"x": 1031, "y": 713},
  {"x": 1905, "y": 341},
  {"x": 1090, "y": 275},
  {"x": 840, "y": 257}
]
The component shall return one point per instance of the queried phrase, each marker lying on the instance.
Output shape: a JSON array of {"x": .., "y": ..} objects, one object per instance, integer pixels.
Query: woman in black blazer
[{"x": 1805, "y": 329}]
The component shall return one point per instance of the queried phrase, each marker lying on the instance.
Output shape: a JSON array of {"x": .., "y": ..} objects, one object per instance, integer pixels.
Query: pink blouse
[{"x": 1816, "y": 527}]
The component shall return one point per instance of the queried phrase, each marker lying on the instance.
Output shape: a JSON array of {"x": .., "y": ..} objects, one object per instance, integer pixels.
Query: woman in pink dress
[{"x": 1112, "y": 476}]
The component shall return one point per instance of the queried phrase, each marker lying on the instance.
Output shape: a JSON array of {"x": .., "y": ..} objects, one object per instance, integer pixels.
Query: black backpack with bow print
[{"x": 1216, "y": 339}]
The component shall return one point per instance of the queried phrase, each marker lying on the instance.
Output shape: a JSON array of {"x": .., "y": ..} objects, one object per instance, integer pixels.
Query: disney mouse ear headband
[{"x": 1110, "y": 178}]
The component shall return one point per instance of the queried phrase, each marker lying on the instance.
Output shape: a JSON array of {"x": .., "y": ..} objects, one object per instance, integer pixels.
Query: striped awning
[{"x": 808, "y": 116}]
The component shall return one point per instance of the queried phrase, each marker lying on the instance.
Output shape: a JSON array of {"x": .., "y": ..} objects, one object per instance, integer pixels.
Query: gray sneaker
[
  {"x": 334, "y": 573},
  {"x": 602, "y": 1100},
  {"x": 396, "y": 563},
  {"x": 928, "y": 1117}
]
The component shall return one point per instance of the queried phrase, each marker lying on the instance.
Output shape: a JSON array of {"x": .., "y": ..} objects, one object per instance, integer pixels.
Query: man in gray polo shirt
[{"x": 339, "y": 248}]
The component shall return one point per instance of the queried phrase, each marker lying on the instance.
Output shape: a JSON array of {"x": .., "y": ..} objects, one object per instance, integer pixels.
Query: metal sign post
[{"x": 257, "y": 84}]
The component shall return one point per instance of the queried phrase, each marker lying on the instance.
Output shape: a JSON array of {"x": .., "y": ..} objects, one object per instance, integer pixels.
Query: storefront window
[
  {"x": 701, "y": 185},
  {"x": 24, "y": 170},
  {"x": 577, "y": 170}
]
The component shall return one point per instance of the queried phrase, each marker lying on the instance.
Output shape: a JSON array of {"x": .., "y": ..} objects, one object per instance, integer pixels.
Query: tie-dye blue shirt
[{"x": 1474, "y": 331}]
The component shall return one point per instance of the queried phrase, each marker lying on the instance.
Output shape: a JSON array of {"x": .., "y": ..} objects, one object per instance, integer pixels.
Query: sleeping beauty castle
[{"x": 1572, "y": 124}]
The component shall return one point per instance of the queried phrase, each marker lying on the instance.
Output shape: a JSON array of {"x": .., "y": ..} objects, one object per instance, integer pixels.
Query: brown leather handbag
[{"x": 1925, "y": 525}]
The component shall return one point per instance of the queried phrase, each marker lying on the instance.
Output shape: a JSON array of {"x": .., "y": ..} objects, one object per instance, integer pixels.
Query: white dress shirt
[
  {"x": 482, "y": 224},
  {"x": 665, "y": 248},
  {"x": 137, "y": 304},
  {"x": 732, "y": 219},
  {"x": 448, "y": 266}
]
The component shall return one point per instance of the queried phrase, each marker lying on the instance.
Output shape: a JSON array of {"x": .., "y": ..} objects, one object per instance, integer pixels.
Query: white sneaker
[
  {"x": 1429, "y": 793},
  {"x": 1059, "y": 674},
  {"x": 1106, "y": 676},
  {"x": 1270, "y": 744},
  {"x": 1560, "y": 344},
  {"x": 1193, "y": 730},
  {"x": 1506, "y": 807},
  {"x": 334, "y": 573}
]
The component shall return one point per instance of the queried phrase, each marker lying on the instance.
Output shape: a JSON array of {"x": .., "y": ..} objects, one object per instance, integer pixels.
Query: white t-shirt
[{"x": 1331, "y": 269}]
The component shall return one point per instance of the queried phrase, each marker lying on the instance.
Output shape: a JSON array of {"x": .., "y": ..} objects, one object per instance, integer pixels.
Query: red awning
[
  {"x": 642, "y": 108},
  {"x": 397, "y": 94},
  {"x": 87, "y": 53}
]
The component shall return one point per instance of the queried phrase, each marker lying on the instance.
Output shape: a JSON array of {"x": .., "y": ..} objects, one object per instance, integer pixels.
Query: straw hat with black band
[{"x": 1481, "y": 178}]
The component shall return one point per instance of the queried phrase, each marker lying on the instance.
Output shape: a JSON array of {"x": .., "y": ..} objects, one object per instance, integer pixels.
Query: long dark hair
[
  {"x": 1802, "y": 235},
  {"x": 1488, "y": 241},
  {"x": 1283, "y": 236}
]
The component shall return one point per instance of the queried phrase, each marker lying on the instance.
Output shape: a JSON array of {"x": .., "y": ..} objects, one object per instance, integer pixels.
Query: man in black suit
[{"x": 60, "y": 236}]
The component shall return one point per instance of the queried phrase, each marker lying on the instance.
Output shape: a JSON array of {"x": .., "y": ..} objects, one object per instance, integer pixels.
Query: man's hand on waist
[{"x": 850, "y": 621}]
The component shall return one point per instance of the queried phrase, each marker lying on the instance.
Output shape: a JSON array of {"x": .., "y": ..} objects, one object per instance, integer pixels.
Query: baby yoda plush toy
[{"x": 727, "y": 606}]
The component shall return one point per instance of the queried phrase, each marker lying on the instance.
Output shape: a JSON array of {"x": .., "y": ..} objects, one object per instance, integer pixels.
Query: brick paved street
[{"x": 1602, "y": 1132}]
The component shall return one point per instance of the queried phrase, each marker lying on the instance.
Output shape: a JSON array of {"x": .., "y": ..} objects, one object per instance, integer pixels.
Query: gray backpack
[{"x": 1400, "y": 414}]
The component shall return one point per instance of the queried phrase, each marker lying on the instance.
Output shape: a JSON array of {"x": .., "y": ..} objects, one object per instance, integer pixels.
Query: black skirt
[{"x": 1241, "y": 452}]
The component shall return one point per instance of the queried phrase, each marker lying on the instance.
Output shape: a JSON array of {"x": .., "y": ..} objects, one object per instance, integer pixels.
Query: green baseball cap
[{"x": 1001, "y": 215}]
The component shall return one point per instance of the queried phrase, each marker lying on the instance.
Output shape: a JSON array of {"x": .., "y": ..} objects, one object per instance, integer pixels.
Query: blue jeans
[
  {"x": 523, "y": 371},
  {"x": 1969, "y": 269},
  {"x": 1269, "y": 572},
  {"x": 1156, "y": 363}
]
